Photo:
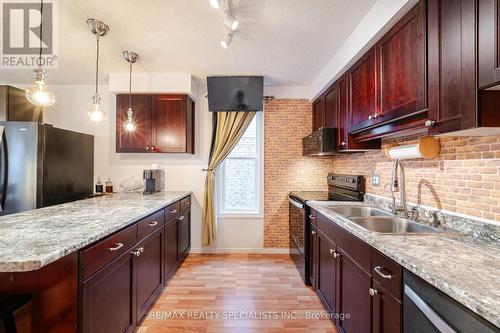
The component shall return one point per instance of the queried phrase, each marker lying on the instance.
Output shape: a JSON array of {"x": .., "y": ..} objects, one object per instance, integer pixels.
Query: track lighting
[
  {"x": 215, "y": 3},
  {"x": 230, "y": 22},
  {"x": 228, "y": 38}
]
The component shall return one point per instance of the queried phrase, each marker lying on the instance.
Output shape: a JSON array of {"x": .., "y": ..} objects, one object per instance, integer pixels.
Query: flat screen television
[{"x": 235, "y": 93}]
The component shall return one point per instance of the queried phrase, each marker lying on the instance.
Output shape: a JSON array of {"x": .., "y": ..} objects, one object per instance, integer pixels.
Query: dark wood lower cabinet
[
  {"x": 184, "y": 227},
  {"x": 171, "y": 248},
  {"x": 149, "y": 271},
  {"x": 108, "y": 298},
  {"x": 353, "y": 285},
  {"x": 387, "y": 311},
  {"x": 361, "y": 299},
  {"x": 116, "y": 296},
  {"x": 326, "y": 271}
]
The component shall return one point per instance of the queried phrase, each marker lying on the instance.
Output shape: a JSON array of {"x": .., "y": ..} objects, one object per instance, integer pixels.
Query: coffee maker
[{"x": 152, "y": 181}]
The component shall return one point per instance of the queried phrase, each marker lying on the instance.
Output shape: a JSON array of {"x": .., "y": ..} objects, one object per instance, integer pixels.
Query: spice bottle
[
  {"x": 98, "y": 186},
  {"x": 109, "y": 185}
]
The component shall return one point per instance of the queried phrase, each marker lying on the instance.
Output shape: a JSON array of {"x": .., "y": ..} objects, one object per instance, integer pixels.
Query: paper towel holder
[{"x": 426, "y": 147}]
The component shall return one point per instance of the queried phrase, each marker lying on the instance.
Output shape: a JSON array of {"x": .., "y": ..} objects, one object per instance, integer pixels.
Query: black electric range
[{"x": 340, "y": 188}]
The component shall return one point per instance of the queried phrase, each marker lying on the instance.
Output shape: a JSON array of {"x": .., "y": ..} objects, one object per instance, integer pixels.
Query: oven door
[{"x": 298, "y": 242}]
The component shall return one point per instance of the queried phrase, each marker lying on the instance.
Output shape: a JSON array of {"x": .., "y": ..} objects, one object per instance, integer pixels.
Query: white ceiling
[{"x": 287, "y": 41}]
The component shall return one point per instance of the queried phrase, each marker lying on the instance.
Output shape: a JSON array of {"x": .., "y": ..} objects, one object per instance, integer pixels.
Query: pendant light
[
  {"x": 38, "y": 94},
  {"x": 129, "y": 124},
  {"x": 99, "y": 29}
]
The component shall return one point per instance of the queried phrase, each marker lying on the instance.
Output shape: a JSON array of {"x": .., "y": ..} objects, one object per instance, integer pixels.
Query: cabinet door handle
[
  {"x": 147, "y": 148},
  {"x": 373, "y": 292},
  {"x": 336, "y": 254},
  {"x": 153, "y": 224},
  {"x": 186, "y": 203},
  {"x": 312, "y": 217},
  {"x": 331, "y": 251},
  {"x": 378, "y": 269},
  {"x": 313, "y": 232},
  {"x": 173, "y": 211},
  {"x": 180, "y": 218},
  {"x": 153, "y": 148},
  {"x": 429, "y": 123},
  {"x": 115, "y": 247},
  {"x": 343, "y": 143},
  {"x": 370, "y": 117}
]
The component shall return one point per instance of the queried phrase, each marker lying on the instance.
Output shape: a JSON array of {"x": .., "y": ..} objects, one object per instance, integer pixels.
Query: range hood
[{"x": 323, "y": 142}]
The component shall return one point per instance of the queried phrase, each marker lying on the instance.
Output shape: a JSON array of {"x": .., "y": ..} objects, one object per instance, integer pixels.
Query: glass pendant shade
[
  {"x": 95, "y": 113},
  {"x": 38, "y": 94},
  {"x": 129, "y": 124}
]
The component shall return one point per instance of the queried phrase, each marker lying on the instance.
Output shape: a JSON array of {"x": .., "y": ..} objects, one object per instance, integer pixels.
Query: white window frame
[{"x": 220, "y": 173}]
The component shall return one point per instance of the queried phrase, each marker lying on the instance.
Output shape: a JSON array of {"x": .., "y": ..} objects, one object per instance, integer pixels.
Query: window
[{"x": 240, "y": 175}]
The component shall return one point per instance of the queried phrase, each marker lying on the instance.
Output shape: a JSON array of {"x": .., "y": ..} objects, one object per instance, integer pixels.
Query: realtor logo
[{"x": 22, "y": 36}]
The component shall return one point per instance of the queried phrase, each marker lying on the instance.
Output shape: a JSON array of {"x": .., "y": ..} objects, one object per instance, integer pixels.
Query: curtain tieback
[{"x": 207, "y": 170}]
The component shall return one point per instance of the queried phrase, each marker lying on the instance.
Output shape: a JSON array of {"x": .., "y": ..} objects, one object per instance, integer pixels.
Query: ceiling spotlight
[
  {"x": 231, "y": 22},
  {"x": 228, "y": 38},
  {"x": 215, "y": 3}
]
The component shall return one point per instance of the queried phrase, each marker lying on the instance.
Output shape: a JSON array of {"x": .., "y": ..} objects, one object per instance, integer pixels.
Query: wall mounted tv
[{"x": 235, "y": 93}]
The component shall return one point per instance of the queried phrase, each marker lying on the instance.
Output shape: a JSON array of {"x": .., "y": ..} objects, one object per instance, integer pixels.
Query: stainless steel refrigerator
[{"x": 41, "y": 165}]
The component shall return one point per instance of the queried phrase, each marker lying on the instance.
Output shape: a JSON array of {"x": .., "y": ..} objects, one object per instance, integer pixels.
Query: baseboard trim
[{"x": 270, "y": 250}]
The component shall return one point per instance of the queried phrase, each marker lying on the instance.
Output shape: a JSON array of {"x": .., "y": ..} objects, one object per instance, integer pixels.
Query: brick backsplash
[
  {"x": 464, "y": 178},
  {"x": 286, "y": 122}
]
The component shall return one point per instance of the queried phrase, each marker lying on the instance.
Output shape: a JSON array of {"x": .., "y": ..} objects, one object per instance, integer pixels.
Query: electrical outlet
[{"x": 376, "y": 180}]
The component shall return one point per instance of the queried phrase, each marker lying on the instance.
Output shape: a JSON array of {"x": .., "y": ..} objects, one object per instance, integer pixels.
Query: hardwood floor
[{"x": 235, "y": 293}]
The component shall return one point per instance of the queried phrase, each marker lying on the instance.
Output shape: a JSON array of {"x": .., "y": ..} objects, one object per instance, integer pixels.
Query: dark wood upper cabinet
[
  {"x": 331, "y": 106},
  {"x": 165, "y": 124},
  {"x": 401, "y": 55},
  {"x": 15, "y": 107},
  {"x": 318, "y": 115},
  {"x": 172, "y": 123},
  {"x": 363, "y": 89},
  {"x": 139, "y": 140},
  {"x": 488, "y": 43}
]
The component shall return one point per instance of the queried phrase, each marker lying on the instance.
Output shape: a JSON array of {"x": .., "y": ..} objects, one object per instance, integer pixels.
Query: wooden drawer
[
  {"x": 149, "y": 224},
  {"x": 325, "y": 226},
  {"x": 99, "y": 255},
  {"x": 172, "y": 210},
  {"x": 384, "y": 266},
  {"x": 186, "y": 203},
  {"x": 355, "y": 248}
]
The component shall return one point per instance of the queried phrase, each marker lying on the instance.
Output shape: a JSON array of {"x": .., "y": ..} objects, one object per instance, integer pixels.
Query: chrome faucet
[{"x": 398, "y": 184}]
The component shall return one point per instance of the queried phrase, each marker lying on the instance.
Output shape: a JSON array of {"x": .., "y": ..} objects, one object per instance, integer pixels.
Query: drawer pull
[
  {"x": 378, "y": 269},
  {"x": 186, "y": 203},
  {"x": 312, "y": 217},
  {"x": 336, "y": 254},
  {"x": 313, "y": 232},
  {"x": 173, "y": 211},
  {"x": 180, "y": 218},
  {"x": 115, "y": 247},
  {"x": 331, "y": 251},
  {"x": 373, "y": 292},
  {"x": 153, "y": 224}
]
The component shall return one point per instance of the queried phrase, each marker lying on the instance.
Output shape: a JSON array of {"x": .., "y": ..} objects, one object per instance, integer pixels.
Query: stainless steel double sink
[{"x": 376, "y": 220}]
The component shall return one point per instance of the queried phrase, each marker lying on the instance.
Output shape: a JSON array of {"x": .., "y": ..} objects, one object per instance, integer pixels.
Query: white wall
[{"x": 182, "y": 171}]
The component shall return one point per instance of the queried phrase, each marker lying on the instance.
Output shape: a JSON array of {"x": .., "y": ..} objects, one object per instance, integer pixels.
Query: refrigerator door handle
[{"x": 3, "y": 168}]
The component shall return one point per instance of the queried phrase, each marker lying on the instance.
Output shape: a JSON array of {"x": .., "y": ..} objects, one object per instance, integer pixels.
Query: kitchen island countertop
[{"x": 33, "y": 239}]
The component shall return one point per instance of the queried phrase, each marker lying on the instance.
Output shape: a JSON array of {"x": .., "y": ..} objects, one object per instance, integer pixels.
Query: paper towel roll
[{"x": 427, "y": 147}]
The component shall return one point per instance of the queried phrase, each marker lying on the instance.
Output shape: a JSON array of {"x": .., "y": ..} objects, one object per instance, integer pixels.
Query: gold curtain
[{"x": 229, "y": 128}]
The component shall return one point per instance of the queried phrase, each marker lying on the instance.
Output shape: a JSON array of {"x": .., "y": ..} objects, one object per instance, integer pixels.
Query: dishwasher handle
[
  {"x": 433, "y": 317},
  {"x": 296, "y": 203}
]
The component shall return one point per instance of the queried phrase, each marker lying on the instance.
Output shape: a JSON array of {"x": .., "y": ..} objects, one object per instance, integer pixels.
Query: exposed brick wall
[
  {"x": 286, "y": 122},
  {"x": 464, "y": 178}
]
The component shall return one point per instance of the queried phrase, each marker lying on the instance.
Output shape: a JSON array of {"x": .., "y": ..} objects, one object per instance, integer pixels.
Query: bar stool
[{"x": 8, "y": 305}]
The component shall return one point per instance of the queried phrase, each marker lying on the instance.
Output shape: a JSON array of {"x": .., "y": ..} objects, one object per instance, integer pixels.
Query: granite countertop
[
  {"x": 35, "y": 238},
  {"x": 464, "y": 269}
]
